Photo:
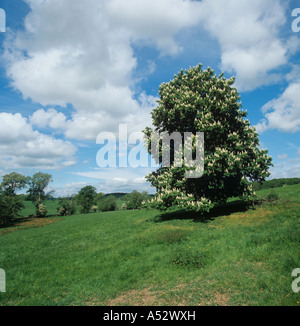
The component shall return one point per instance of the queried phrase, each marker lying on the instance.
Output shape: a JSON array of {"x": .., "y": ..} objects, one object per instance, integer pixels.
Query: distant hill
[
  {"x": 275, "y": 183},
  {"x": 116, "y": 194},
  {"x": 120, "y": 194}
]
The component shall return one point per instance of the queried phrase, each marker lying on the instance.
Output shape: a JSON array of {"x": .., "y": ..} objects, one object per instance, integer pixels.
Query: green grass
[
  {"x": 232, "y": 257},
  {"x": 52, "y": 207},
  {"x": 30, "y": 208}
]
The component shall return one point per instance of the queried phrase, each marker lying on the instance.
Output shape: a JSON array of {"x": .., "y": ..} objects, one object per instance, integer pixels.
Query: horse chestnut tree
[{"x": 198, "y": 100}]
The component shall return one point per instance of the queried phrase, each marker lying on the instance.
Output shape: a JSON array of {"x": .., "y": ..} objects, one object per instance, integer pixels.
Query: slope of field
[
  {"x": 52, "y": 206},
  {"x": 29, "y": 208},
  {"x": 232, "y": 257}
]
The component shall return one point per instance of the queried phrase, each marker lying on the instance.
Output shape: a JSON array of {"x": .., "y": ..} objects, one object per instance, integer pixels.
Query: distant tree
[
  {"x": 86, "y": 198},
  {"x": 37, "y": 187},
  {"x": 134, "y": 199},
  {"x": 23, "y": 197},
  {"x": 10, "y": 207},
  {"x": 41, "y": 210},
  {"x": 10, "y": 203},
  {"x": 107, "y": 204},
  {"x": 66, "y": 207},
  {"x": 274, "y": 183},
  {"x": 13, "y": 182},
  {"x": 99, "y": 196},
  {"x": 94, "y": 208},
  {"x": 37, "y": 191}
]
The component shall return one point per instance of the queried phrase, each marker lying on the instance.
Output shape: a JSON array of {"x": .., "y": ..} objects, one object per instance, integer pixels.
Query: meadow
[
  {"x": 29, "y": 208},
  {"x": 233, "y": 256}
]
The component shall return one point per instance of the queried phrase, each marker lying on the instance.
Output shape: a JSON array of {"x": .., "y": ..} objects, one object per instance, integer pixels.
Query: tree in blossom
[{"x": 199, "y": 101}]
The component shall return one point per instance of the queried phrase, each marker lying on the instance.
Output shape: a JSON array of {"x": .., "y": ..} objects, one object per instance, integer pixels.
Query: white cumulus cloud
[
  {"x": 283, "y": 113},
  {"x": 23, "y": 147},
  {"x": 81, "y": 53},
  {"x": 249, "y": 35}
]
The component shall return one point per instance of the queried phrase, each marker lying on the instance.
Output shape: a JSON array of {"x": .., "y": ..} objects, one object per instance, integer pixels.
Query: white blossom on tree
[{"x": 198, "y": 101}]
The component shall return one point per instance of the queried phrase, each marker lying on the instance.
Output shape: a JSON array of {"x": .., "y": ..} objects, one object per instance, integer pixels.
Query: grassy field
[
  {"x": 30, "y": 208},
  {"x": 232, "y": 257},
  {"x": 52, "y": 207}
]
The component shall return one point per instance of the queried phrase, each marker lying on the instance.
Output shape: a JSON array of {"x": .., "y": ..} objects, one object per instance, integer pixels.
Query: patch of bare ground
[
  {"x": 197, "y": 294},
  {"x": 144, "y": 297},
  {"x": 259, "y": 215},
  {"x": 219, "y": 299},
  {"x": 179, "y": 295},
  {"x": 28, "y": 223}
]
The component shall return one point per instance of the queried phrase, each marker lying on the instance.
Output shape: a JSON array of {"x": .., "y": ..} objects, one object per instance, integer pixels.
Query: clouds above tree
[
  {"x": 81, "y": 53},
  {"x": 23, "y": 147},
  {"x": 84, "y": 63}
]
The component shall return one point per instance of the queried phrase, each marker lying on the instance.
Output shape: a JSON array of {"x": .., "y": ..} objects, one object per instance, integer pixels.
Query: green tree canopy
[
  {"x": 86, "y": 198},
  {"x": 134, "y": 199},
  {"x": 107, "y": 203},
  {"x": 10, "y": 203},
  {"x": 37, "y": 187},
  {"x": 10, "y": 207},
  {"x": 200, "y": 101},
  {"x": 13, "y": 182}
]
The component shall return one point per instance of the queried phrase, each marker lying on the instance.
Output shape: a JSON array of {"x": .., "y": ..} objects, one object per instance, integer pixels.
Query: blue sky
[{"x": 70, "y": 70}]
